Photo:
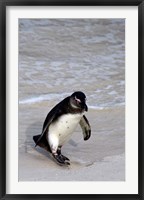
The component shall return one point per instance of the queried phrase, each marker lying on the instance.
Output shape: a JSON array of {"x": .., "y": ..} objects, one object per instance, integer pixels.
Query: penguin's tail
[
  {"x": 36, "y": 138},
  {"x": 42, "y": 142}
]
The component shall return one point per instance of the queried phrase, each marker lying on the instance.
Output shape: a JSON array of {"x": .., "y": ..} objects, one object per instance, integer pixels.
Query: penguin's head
[{"x": 78, "y": 100}]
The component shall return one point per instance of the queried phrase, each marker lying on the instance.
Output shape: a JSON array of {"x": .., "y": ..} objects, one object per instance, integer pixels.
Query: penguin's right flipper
[{"x": 52, "y": 115}]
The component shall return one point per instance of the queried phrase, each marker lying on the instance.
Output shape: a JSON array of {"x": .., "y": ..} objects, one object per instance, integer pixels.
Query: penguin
[{"x": 61, "y": 122}]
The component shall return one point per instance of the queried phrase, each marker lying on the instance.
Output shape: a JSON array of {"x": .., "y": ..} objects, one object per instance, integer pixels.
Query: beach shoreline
[{"x": 101, "y": 158}]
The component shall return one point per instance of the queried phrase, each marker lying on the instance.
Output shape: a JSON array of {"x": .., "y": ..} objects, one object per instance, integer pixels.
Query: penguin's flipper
[
  {"x": 85, "y": 127},
  {"x": 52, "y": 115}
]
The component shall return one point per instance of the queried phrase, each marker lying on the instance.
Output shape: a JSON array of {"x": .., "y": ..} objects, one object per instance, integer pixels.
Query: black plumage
[{"x": 73, "y": 105}]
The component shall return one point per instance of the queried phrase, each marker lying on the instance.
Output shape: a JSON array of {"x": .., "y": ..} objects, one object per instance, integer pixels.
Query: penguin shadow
[
  {"x": 35, "y": 129},
  {"x": 72, "y": 143},
  {"x": 40, "y": 153}
]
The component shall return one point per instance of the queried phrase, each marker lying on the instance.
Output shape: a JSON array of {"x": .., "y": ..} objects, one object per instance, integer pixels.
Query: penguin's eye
[{"x": 78, "y": 100}]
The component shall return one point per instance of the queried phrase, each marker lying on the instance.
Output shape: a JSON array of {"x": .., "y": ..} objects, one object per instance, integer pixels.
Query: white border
[{"x": 130, "y": 186}]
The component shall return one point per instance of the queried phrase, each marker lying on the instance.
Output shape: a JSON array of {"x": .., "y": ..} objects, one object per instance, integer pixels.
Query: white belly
[{"x": 61, "y": 131}]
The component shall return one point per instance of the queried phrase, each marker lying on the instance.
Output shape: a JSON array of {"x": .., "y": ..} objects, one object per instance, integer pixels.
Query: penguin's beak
[{"x": 85, "y": 107}]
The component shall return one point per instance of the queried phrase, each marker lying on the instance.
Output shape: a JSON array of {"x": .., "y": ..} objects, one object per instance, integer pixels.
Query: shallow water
[{"x": 59, "y": 56}]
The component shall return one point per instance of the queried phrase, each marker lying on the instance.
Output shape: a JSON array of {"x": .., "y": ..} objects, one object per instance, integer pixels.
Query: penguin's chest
[{"x": 63, "y": 128}]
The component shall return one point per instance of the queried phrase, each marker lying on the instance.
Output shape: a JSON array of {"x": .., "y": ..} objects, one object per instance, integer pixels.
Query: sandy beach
[
  {"x": 101, "y": 158},
  {"x": 56, "y": 58}
]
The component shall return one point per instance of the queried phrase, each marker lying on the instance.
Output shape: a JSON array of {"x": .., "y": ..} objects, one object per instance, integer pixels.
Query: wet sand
[{"x": 101, "y": 158}]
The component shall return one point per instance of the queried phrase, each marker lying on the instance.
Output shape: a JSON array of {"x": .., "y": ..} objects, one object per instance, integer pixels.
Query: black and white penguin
[{"x": 61, "y": 122}]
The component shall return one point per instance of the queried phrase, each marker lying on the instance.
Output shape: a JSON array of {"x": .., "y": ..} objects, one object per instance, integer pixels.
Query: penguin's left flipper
[{"x": 85, "y": 127}]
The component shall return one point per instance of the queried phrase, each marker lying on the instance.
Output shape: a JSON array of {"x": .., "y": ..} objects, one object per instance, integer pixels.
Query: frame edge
[
  {"x": 3, "y": 194},
  {"x": 2, "y": 100}
]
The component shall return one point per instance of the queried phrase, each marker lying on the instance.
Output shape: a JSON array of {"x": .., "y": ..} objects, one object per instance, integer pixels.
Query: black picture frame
[{"x": 3, "y": 5}]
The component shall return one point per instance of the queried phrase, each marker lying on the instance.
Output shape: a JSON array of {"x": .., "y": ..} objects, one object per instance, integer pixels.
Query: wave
[
  {"x": 60, "y": 96},
  {"x": 45, "y": 97}
]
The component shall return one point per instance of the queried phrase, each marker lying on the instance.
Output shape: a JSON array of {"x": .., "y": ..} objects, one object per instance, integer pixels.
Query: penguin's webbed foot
[
  {"x": 64, "y": 157},
  {"x": 61, "y": 159}
]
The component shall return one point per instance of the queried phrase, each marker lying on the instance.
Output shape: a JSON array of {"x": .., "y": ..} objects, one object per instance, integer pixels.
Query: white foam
[
  {"x": 58, "y": 97},
  {"x": 41, "y": 98},
  {"x": 96, "y": 107}
]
